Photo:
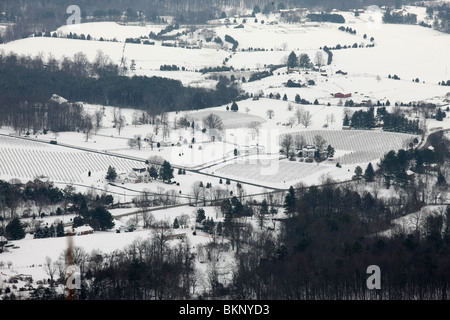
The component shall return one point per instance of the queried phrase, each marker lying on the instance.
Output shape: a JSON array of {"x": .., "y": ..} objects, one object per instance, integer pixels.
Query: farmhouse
[
  {"x": 252, "y": 149},
  {"x": 342, "y": 95},
  {"x": 135, "y": 175},
  {"x": 309, "y": 152},
  {"x": 79, "y": 231}
]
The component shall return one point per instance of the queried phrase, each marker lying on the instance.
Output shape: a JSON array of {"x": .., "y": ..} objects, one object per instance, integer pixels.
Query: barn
[{"x": 342, "y": 95}]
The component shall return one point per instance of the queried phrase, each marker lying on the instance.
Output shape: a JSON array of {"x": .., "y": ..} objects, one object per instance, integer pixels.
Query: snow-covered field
[{"x": 408, "y": 51}]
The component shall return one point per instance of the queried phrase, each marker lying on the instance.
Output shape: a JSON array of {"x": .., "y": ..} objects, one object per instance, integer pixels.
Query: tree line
[{"x": 28, "y": 83}]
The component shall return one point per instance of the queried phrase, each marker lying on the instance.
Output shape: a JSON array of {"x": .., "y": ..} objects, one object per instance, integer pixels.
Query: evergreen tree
[
  {"x": 264, "y": 207},
  {"x": 369, "y": 173},
  {"x": 346, "y": 122},
  {"x": 234, "y": 106},
  {"x": 297, "y": 98},
  {"x": 153, "y": 172},
  {"x": 227, "y": 210},
  {"x": 166, "y": 171},
  {"x": 60, "y": 229},
  {"x": 15, "y": 230},
  {"x": 200, "y": 215},
  {"x": 358, "y": 173},
  {"x": 111, "y": 174},
  {"x": 219, "y": 228},
  {"x": 330, "y": 151},
  {"x": 101, "y": 219},
  {"x": 304, "y": 61},
  {"x": 176, "y": 224},
  {"x": 290, "y": 201},
  {"x": 78, "y": 221},
  {"x": 292, "y": 61}
]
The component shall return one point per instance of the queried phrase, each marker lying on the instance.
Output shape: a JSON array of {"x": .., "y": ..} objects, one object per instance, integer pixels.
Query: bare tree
[
  {"x": 136, "y": 141},
  {"x": 196, "y": 190},
  {"x": 162, "y": 233},
  {"x": 299, "y": 141},
  {"x": 136, "y": 118},
  {"x": 213, "y": 121},
  {"x": 319, "y": 142},
  {"x": 255, "y": 127},
  {"x": 150, "y": 139},
  {"x": 291, "y": 121},
  {"x": 286, "y": 143},
  {"x": 121, "y": 121},
  {"x": 306, "y": 119},
  {"x": 87, "y": 126},
  {"x": 270, "y": 113},
  {"x": 98, "y": 118},
  {"x": 318, "y": 59},
  {"x": 50, "y": 268},
  {"x": 115, "y": 115}
]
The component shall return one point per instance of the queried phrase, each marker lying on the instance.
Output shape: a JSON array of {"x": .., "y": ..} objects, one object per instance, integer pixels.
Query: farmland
[
  {"x": 228, "y": 170},
  {"x": 27, "y": 160}
]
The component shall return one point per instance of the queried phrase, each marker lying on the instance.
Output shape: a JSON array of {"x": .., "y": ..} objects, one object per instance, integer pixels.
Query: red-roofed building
[{"x": 341, "y": 95}]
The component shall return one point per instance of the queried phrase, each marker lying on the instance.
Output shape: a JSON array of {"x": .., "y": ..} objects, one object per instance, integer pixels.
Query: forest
[
  {"x": 28, "y": 84},
  {"x": 322, "y": 251}
]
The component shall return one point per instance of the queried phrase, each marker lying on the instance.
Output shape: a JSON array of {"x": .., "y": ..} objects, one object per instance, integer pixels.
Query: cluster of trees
[
  {"x": 399, "y": 123},
  {"x": 49, "y": 232},
  {"x": 31, "y": 80},
  {"x": 361, "y": 119},
  {"x": 99, "y": 218},
  {"x": 408, "y": 18},
  {"x": 216, "y": 69},
  {"x": 41, "y": 195},
  {"x": 255, "y": 76},
  {"x": 442, "y": 17},
  {"x": 394, "y": 122},
  {"x": 326, "y": 17},
  {"x": 302, "y": 61},
  {"x": 161, "y": 34},
  {"x": 327, "y": 239},
  {"x": 347, "y": 29},
  {"x": 393, "y": 165},
  {"x": 295, "y": 142},
  {"x": 233, "y": 41},
  {"x": 173, "y": 67}
]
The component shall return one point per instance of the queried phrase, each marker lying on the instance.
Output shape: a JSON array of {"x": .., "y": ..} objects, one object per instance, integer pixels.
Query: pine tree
[
  {"x": 15, "y": 230},
  {"x": 176, "y": 224},
  {"x": 200, "y": 215},
  {"x": 166, "y": 171},
  {"x": 264, "y": 207},
  {"x": 369, "y": 173},
  {"x": 346, "y": 122},
  {"x": 234, "y": 106},
  {"x": 292, "y": 61},
  {"x": 111, "y": 174},
  {"x": 153, "y": 172},
  {"x": 358, "y": 173},
  {"x": 290, "y": 201},
  {"x": 60, "y": 229}
]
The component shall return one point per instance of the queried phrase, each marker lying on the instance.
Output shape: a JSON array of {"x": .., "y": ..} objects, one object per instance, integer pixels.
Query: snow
[{"x": 409, "y": 51}]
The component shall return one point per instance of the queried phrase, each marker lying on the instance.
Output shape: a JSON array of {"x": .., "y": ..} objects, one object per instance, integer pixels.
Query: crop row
[{"x": 63, "y": 166}]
